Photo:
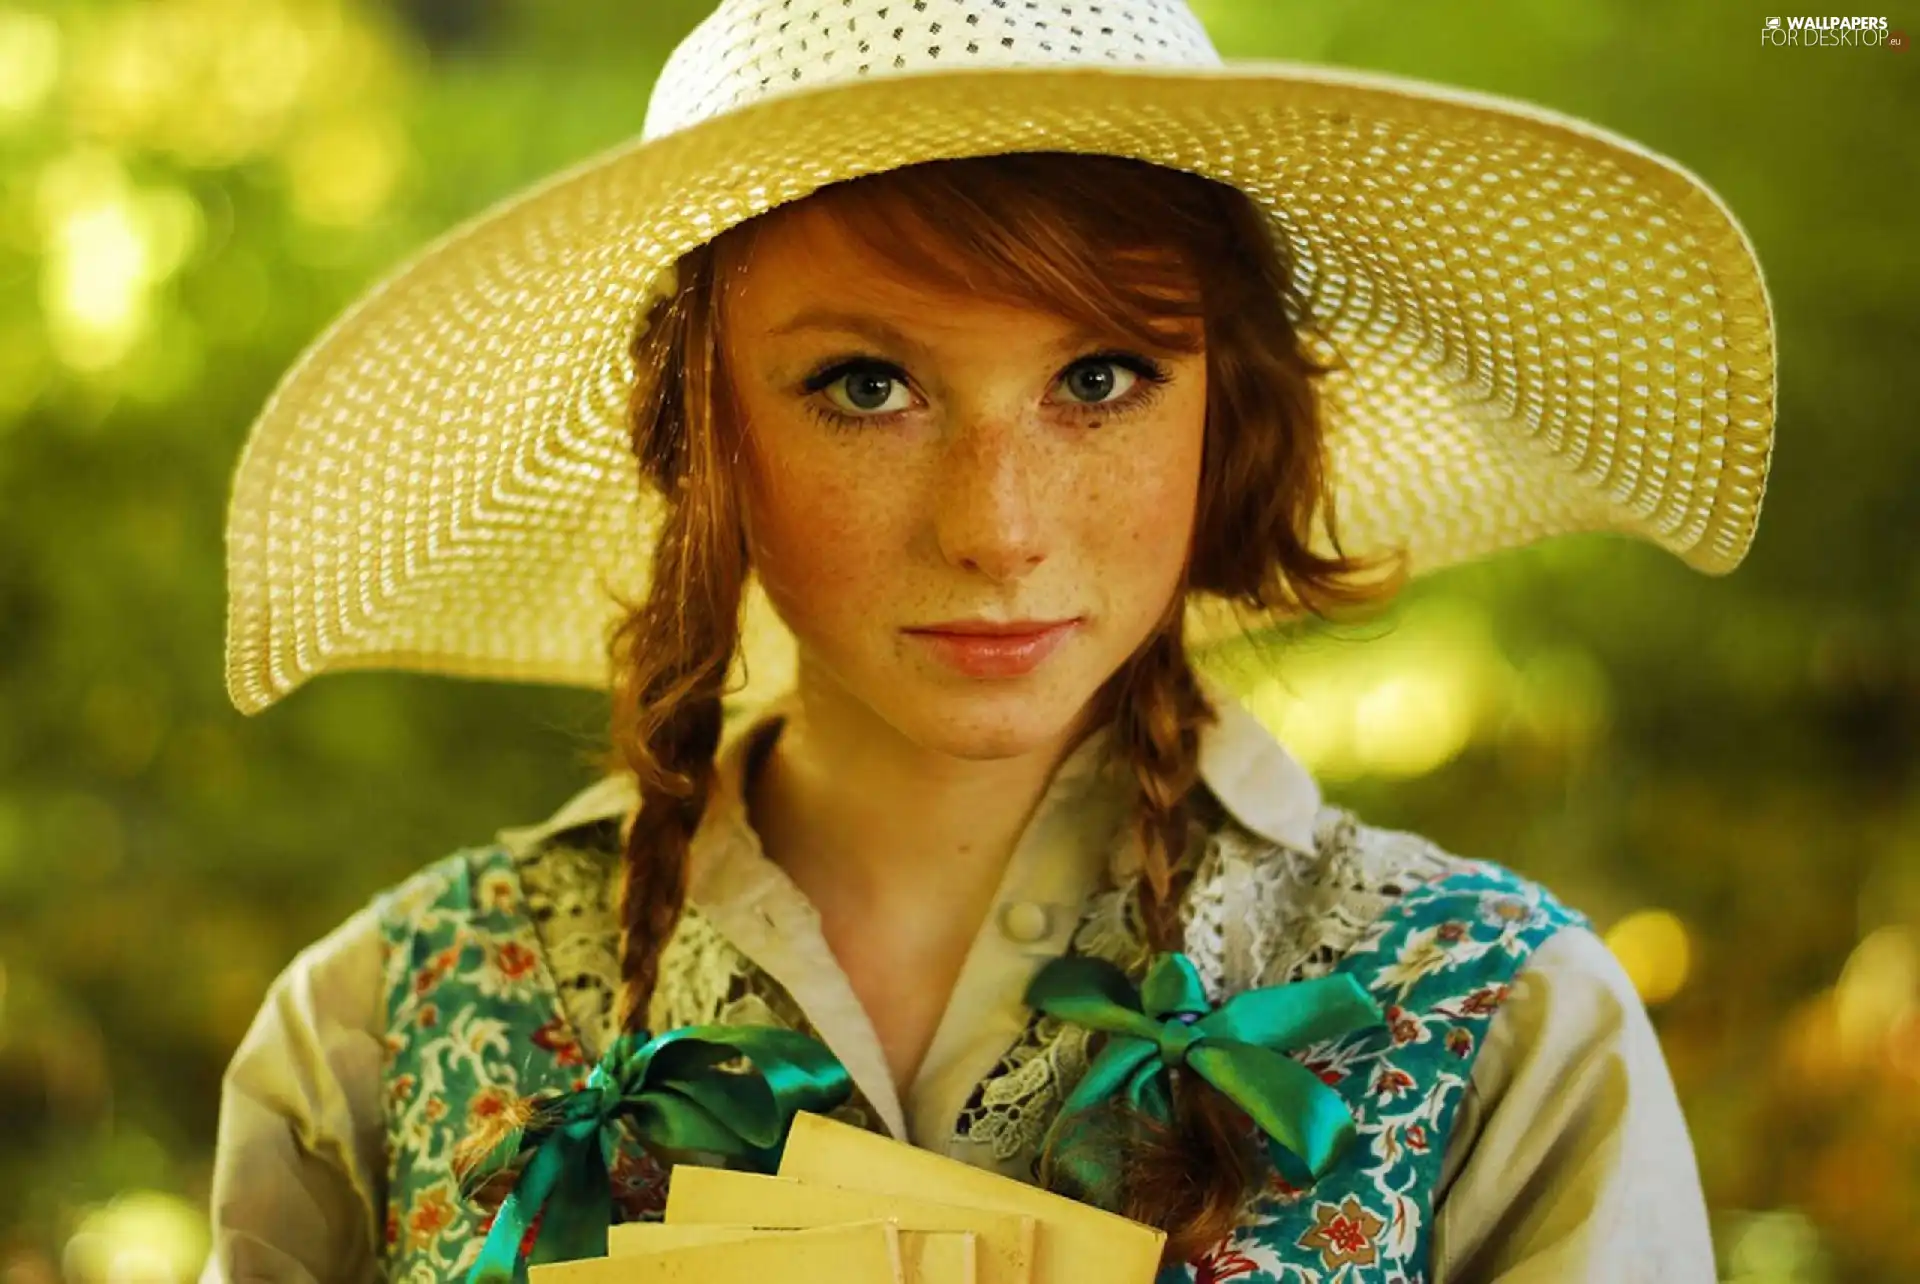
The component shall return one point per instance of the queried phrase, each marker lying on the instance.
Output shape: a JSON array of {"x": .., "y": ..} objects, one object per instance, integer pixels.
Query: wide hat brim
[{"x": 1542, "y": 328}]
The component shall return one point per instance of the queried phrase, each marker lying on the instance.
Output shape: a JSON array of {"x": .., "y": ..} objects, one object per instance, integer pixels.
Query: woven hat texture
[{"x": 1540, "y": 327}]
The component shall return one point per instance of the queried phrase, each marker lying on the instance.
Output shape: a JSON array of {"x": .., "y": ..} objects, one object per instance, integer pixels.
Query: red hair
[{"x": 1112, "y": 242}]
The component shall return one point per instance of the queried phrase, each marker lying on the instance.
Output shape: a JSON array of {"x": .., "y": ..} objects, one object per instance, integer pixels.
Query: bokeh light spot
[
  {"x": 109, "y": 245},
  {"x": 1653, "y": 946},
  {"x": 140, "y": 1236},
  {"x": 29, "y": 61},
  {"x": 343, "y": 173},
  {"x": 1412, "y": 723},
  {"x": 1878, "y": 987},
  {"x": 1400, "y": 705}
]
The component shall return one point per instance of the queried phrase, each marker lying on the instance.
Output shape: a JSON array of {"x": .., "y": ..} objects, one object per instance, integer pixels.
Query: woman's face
[{"x": 916, "y": 460}]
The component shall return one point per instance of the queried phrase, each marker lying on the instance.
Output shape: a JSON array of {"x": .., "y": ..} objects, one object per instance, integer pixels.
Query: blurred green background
[{"x": 1721, "y": 771}]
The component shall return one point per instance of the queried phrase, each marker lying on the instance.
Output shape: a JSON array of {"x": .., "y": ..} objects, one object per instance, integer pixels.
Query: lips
[{"x": 985, "y": 650}]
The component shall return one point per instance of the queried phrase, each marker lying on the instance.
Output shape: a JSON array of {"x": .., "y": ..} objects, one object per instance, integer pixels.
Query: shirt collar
[
  {"x": 1267, "y": 789},
  {"x": 1264, "y": 787}
]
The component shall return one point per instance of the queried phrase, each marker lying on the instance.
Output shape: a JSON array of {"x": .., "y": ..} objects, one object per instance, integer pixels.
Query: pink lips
[{"x": 994, "y": 651}]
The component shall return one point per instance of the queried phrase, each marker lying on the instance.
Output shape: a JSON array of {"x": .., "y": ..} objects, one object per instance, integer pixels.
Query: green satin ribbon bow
[
  {"x": 1237, "y": 1047},
  {"x": 678, "y": 1101}
]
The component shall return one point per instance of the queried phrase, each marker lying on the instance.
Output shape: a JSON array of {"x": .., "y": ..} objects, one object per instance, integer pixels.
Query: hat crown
[{"x": 750, "y": 50}]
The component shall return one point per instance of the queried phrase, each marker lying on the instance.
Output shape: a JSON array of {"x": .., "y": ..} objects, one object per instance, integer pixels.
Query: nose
[{"x": 987, "y": 516}]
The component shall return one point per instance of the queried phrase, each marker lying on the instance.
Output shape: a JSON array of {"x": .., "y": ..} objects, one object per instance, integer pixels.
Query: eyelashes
[{"x": 1149, "y": 379}]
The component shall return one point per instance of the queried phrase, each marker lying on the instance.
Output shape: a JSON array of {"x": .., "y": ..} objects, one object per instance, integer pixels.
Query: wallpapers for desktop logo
[{"x": 1857, "y": 33}]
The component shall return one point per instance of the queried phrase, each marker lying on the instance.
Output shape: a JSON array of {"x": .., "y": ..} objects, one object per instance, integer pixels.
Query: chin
[{"x": 985, "y": 720}]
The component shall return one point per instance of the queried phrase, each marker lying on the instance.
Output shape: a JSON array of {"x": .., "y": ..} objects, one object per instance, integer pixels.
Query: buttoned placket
[
  {"x": 1058, "y": 861},
  {"x": 1075, "y": 842}
]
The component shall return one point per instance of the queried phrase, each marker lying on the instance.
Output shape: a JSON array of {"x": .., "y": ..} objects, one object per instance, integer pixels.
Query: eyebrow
[
  {"x": 845, "y": 323},
  {"x": 884, "y": 332}
]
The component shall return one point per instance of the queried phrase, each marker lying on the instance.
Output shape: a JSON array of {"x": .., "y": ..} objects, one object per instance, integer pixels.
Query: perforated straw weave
[{"x": 1542, "y": 327}]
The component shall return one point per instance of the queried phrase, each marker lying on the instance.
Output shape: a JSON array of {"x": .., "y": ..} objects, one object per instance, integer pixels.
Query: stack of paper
[{"x": 853, "y": 1207}]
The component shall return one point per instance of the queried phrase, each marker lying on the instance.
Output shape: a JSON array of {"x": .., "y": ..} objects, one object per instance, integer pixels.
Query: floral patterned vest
[{"x": 478, "y": 1012}]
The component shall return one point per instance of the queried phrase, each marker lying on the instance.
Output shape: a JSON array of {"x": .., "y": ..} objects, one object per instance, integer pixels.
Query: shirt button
[{"x": 1025, "y": 921}]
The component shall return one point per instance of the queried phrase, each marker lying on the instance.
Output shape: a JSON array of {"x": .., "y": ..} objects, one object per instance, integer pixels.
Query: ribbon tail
[
  {"x": 1117, "y": 1070},
  {"x": 500, "y": 1261},
  {"x": 1291, "y": 1104},
  {"x": 579, "y": 1211},
  {"x": 1111, "y": 1072},
  {"x": 1150, "y": 1091}
]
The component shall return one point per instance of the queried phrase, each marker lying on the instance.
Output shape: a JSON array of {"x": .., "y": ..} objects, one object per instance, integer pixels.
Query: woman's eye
[
  {"x": 866, "y": 390},
  {"x": 1098, "y": 379}
]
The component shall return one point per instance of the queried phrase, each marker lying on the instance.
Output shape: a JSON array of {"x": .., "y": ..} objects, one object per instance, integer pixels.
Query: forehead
[
  {"x": 802, "y": 256},
  {"x": 804, "y": 269}
]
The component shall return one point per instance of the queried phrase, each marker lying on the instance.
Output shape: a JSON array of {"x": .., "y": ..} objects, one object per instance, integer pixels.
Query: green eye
[
  {"x": 858, "y": 389},
  {"x": 867, "y": 389},
  {"x": 1095, "y": 379}
]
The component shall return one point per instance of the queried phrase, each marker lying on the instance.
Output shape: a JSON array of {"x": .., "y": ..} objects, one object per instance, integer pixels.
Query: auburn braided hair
[{"x": 1106, "y": 240}]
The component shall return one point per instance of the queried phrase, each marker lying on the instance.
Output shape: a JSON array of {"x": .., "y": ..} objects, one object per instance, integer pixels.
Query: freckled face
[{"x": 914, "y": 459}]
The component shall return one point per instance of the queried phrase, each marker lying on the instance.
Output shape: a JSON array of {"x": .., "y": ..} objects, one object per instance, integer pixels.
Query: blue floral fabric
[
  {"x": 474, "y": 1020},
  {"x": 1439, "y": 963}
]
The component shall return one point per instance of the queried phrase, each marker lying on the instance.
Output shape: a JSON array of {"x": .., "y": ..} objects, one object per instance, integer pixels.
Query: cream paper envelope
[
  {"x": 1077, "y": 1241},
  {"x": 927, "y": 1257},
  {"x": 723, "y": 1196},
  {"x": 851, "y": 1253}
]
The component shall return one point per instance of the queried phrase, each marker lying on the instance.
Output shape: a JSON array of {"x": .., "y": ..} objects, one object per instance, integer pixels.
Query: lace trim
[
  {"x": 1256, "y": 913},
  {"x": 1266, "y": 914},
  {"x": 703, "y": 979},
  {"x": 565, "y": 883}
]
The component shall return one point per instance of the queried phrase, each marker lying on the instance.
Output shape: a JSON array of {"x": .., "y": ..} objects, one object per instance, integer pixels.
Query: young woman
[{"x": 970, "y": 407}]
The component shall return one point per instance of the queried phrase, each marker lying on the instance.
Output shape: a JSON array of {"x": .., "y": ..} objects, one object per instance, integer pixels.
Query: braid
[
  {"x": 672, "y": 753},
  {"x": 1191, "y": 1177},
  {"x": 1161, "y": 712},
  {"x": 671, "y": 656}
]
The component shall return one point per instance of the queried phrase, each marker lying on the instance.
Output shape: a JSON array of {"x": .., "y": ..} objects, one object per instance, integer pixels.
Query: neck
[{"x": 875, "y": 828}]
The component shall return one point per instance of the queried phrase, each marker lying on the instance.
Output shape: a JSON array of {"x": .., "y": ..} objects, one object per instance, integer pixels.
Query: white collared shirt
[{"x": 1569, "y": 1160}]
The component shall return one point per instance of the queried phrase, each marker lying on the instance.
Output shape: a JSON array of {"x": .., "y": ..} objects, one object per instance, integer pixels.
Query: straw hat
[{"x": 1544, "y": 327}]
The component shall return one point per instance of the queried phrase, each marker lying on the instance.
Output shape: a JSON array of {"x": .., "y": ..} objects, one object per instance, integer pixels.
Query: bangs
[{"x": 1102, "y": 241}]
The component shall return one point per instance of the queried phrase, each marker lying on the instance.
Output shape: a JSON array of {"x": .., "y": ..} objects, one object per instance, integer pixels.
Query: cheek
[
  {"x": 1137, "y": 516},
  {"x": 1156, "y": 504},
  {"x": 821, "y": 540}
]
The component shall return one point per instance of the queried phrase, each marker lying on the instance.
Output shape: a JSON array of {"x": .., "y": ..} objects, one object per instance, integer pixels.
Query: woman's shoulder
[{"x": 463, "y": 882}]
